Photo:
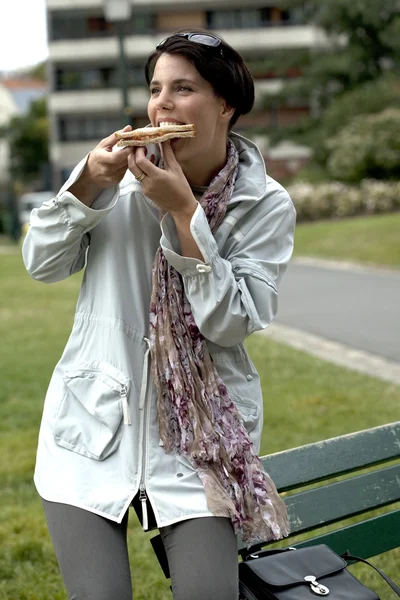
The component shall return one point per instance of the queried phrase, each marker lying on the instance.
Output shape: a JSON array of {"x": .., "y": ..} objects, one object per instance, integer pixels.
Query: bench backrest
[
  {"x": 368, "y": 467},
  {"x": 367, "y": 464}
]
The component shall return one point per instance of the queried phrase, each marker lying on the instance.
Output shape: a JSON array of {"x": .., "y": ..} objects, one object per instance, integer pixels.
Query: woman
[{"x": 163, "y": 411}]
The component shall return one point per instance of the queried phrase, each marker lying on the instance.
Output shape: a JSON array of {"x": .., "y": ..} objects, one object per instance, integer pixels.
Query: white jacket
[{"x": 99, "y": 440}]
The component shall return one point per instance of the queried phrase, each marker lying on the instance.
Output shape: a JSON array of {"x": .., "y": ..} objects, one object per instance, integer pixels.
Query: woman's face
[{"x": 179, "y": 94}]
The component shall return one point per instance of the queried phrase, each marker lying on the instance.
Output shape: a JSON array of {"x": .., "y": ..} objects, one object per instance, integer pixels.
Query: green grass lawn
[
  {"x": 305, "y": 400},
  {"x": 374, "y": 239}
]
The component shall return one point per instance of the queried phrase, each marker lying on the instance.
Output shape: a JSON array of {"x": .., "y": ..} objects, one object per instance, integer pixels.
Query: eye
[
  {"x": 154, "y": 90},
  {"x": 184, "y": 88}
]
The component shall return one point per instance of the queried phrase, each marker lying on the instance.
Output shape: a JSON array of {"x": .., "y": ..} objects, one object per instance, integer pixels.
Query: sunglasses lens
[
  {"x": 206, "y": 40},
  {"x": 199, "y": 38}
]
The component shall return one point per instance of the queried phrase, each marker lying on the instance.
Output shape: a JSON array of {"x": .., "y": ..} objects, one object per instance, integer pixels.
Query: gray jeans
[{"x": 93, "y": 556}]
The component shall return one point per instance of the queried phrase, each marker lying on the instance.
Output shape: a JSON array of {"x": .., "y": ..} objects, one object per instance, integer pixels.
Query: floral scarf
[{"x": 197, "y": 417}]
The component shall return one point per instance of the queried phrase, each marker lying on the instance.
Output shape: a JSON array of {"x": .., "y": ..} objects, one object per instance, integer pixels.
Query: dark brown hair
[{"x": 222, "y": 66}]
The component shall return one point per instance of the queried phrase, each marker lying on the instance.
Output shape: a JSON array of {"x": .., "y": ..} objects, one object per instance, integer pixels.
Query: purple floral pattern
[{"x": 197, "y": 417}]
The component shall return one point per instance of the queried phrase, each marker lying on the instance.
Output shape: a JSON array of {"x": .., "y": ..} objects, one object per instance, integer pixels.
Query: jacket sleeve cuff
[
  {"x": 74, "y": 212},
  {"x": 203, "y": 237}
]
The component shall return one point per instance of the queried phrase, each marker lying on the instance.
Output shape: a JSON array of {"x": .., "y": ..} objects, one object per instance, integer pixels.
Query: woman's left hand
[{"x": 167, "y": 187}]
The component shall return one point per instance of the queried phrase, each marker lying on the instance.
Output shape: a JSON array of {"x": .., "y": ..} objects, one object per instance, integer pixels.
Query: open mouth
[{"x": 170, "y": 123}]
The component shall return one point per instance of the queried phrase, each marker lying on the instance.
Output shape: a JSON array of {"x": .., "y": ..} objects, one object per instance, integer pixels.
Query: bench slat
[
  {"x": 315, "y": 462},
  {"x": 333, "y": 502},
  {"x": 365, "y": 539},
  {"x": 336, "y": 501}
]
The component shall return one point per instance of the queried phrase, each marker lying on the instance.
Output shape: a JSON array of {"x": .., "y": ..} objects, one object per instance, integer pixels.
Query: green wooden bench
[{"x": 368, "y": 465}]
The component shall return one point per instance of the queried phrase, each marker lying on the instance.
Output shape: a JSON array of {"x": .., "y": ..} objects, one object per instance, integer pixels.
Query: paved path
[
  {"x": 334, "y": 352},
  {"x": 350, "y": 304},
  {"x": 345, "y": 313}
]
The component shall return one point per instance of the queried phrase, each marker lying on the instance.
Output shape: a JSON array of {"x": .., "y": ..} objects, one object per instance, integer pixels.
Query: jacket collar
[{"x": 251, "y": 182}]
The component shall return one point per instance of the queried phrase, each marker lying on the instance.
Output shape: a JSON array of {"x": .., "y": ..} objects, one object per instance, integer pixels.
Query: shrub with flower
[{"x": 334, "y": 200}]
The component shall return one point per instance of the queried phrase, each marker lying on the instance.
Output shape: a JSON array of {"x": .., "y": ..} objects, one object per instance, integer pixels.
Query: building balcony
[
  {"x": 97, "y": 101},
  {"x": 70, "y": 5},
  {"x": 109, "y": 100},
  {"x": 68, "y": 154},
  {"x": 248, "y": 41},
  {"x": 253, "y": 41}
]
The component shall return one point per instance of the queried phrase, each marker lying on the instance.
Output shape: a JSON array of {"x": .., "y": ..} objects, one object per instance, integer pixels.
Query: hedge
[{"x": 334, "y": 200}]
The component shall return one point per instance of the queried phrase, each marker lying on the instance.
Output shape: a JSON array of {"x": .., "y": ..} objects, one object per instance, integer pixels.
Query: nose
[{"x": 164, "y": 100}]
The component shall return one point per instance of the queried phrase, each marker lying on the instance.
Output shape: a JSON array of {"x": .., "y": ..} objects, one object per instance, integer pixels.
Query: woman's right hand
[{"x": 104, "y": 169}]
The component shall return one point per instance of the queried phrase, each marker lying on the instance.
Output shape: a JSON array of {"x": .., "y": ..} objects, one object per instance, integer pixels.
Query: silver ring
[{"x": 141, "y": 177}]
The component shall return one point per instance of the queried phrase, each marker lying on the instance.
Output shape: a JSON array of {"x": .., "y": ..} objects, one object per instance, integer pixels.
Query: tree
[
  {"x": 367, "y": 98},
  {"x": 39, "y": 71},
  {"x": 356, "y": 72},
  {"x": 369, "y": 146},
  {"x": 28, "y": 138},
  {"x": 363, "y": 43}
]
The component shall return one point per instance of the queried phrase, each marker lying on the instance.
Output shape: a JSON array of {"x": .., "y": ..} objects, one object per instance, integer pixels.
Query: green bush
[
  {"x": 372, "y": 97},
  {"x": 369, "y": 146},
  {"x": 334, "y": 200}
]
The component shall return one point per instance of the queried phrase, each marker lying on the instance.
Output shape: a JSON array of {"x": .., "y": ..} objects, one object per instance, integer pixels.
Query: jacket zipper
[
  {"x": 143, "y": 407},
  {"x": 143, "y": 500}
]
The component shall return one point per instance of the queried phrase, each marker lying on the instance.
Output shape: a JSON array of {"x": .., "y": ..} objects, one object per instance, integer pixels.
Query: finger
[
  {"x": 118, "y": 158},
  {"x": 168, "y": 155},
  {"x": 140, "y": 164},
  {"x": 140, "y": 153},
  {"x": 132, "y": 166},
  {"x": 132, "y": 158},
  {"x": 112, "y": 139}
]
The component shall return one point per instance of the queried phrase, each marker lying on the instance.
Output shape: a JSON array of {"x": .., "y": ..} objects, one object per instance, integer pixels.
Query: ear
[{"x": 227, "y": 111}]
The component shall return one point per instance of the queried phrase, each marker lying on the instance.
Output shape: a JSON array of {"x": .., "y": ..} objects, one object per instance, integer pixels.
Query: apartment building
[{"x": 85, "y": 98}]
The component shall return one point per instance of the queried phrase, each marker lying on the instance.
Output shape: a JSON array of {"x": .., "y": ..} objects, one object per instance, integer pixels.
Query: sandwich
[{"x": 154, "y": 135}]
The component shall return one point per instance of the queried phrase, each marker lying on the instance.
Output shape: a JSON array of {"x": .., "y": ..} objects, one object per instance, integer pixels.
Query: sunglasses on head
[{"x": 204, "y": 39}]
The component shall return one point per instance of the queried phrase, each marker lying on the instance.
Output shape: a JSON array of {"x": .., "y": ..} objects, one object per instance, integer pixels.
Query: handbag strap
[{"x": 395, "y": 588}]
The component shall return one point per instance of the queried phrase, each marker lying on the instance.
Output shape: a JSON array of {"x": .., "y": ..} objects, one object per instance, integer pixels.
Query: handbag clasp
[{"x": 317, "y": 588}]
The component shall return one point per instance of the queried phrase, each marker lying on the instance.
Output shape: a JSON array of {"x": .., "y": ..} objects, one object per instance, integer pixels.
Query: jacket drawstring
[{"x": 143, "y": 386}]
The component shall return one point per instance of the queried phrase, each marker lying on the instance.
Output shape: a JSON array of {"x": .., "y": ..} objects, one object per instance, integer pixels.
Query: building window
[
  {"x": 98, "y": 26},
  {"x": 297, "y": 16},
  {"x": 74, "y": 129},
  {"x": 67, "y": 25},
  {"x": 270, "y": 66},
  {"x": 136, "y": 76},
  {"x": 96, "y": 78},
  {"x": 249, "y": 18},
  {"x": 143, "y": 23},
  {"x": 72, "y": 25}
]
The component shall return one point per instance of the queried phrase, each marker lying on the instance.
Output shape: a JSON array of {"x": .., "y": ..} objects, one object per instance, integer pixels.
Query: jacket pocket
[
  {"x": 248, "y": 409},
  {"x": 89, "y": 417}
]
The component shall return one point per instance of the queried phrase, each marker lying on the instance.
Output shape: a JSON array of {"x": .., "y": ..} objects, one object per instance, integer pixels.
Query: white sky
[{"x": 23, "y": 37}]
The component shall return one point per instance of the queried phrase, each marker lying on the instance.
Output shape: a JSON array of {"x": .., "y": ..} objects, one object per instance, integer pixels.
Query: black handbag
[{"x": 302, "y": 574}]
